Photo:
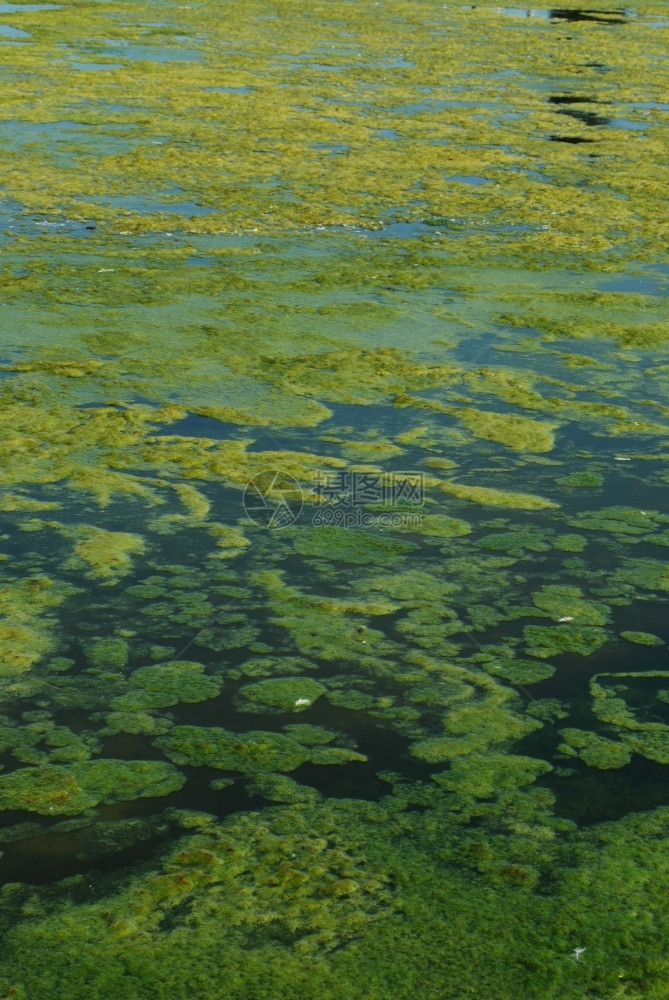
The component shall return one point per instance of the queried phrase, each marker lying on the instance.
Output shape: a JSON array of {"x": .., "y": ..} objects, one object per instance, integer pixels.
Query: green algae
[
  {"x": 52, "y": 789},
  {"x": 176, "y": 680},
  {"x": 350, "y": 546},
  {"x": 594, "y": 750},
  {"x": 518, "y": 671},
  {"x": 108, "y": 554},
  {"x": 288, "y": 694},
  {"x": 496, "y": 498},
  {"x": 567, "y": 604},
  {"x": 622, "y": 521},
  {"x": 569, "y": 543},
  {"x": 515, "y": 542},
  {"x": 546, "y": 641},
  {"x": 27, "y": 631},
  {"x": 250, "y": 753},
  {"x": 111, "y": 653},
  {"x": 517, "y": 432},
  {"x": 484, "y": 777},
  {"x": 581, "y": 480},
  {"x": 281, "y": 788},
  {"x": 642, "y": 638},
  {"x": 198, "y": 297}
]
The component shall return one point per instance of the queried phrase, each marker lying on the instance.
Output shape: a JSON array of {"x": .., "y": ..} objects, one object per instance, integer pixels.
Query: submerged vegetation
[{"x": 333, "y": 440}]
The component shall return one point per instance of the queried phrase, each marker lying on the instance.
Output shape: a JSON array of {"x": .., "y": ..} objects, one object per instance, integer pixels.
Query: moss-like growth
[
  {"x": 515, "y": 542},
  {"x": 516, "y": 432},
  {"x": 281, "y": 788},
  {"x": 581, "y": 480},
  {"x": 518, "y": 671},
  {"x": 569, "y": 543},
  {"x": 544, "y": 641},
  {"x": 309, "y": 736},
  {"x": 67, "y": 791},
  {"x": 642, "y": 638},
  {"x": 177, "y": 680},
  {"x": 437, "y": 526},
  {"x": 250, "y": 753},
  {"x": 594, "y": 750},
  {"x": 108, "y": 654},
  {"x": 107, "y": 554},
  {"x": 350, "y": 545},
  {"x": 565, "y": 603},
  {"x": 496, "y": 498},
  {"x": 484, "y": 776},
  {"x": 135, "y": 723},
  {"x": 287, "y": 694},
  {"x": 618, "y": 521}
]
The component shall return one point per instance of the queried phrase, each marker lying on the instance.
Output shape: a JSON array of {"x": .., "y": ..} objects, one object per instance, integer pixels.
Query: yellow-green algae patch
[
  {"x": 645, "y": 736},
  {"x": 176, "y": 680},
  {"x": 518, "y": 433},
  {"x": 108, "y": 554},
  {"x": 288, "y": 694},
  {"x": 567, "y": 604},
  {"x": 483, "y": 777},
  {"x": 254, "y": 752},
  {"x": 28, "y": 628},
  {"x": 642, "y": 638},
  {"x": 594, "y": 750},
  {"x": 71, "y": 790},
  {"x": 184, "y": 294},
  {"x": 495, "y": 498}
]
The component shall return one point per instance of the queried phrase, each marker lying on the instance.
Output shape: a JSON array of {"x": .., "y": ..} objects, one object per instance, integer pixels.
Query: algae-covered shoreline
[{"x": 333, "y": 436}]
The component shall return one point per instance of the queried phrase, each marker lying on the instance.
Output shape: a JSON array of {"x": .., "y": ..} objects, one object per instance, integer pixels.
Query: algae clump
[
  {"x": 544, "y": 641},
  {"x": 250, "y": 753},
  {"x": 57, "y": 790},
  {"x": 287, "y": 694},
  {"x": 107, "y": 554},
  {"x": 176, "y": 680},
  {"x": 350, "y": 546}
]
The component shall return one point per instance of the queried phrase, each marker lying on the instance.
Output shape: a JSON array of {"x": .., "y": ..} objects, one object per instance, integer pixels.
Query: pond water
[{"x": 333, "y": 502}]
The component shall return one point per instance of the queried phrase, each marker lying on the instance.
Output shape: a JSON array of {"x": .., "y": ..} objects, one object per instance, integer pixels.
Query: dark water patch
[
  {"x": 51, "y": 857},
  {"x": 573, "y": 140},
  {"x": 571, "y": 99},
  {"x": 586, "y": 117},
  {"x": 618, "y": 15},
  {"x": 590, "y": 795}
]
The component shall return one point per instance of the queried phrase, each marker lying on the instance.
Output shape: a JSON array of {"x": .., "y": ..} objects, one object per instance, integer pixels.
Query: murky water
[{"x": 333, "y": 501}]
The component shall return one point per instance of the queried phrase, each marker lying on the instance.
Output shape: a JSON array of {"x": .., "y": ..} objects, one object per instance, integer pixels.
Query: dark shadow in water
[
  {"x": 573, "y": 139},
  {"x": 589, "y": 795},
  {"x": 616, "y": 16},
  {"x": 50, "y": 856},
  {"x": 587, "y": 117},
  {"x": 571, "y": 99}
]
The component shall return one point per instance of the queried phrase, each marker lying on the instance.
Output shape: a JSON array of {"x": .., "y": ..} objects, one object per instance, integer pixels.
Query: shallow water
[{"x": 333, "y": 503}]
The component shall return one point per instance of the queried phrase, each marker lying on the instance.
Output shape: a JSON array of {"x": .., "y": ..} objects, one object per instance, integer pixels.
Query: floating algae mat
[{"x": 334, "y": 372}]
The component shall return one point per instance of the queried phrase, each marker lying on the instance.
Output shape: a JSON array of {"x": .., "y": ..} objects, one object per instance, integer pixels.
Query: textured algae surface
[{"x": 399, "y": 265}]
